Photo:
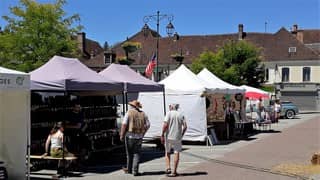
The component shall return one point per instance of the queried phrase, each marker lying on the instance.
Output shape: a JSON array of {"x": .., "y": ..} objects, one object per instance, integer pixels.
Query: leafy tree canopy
[
  {"x": 237, "y": 62},
  {"x": 36, "y": 32}
]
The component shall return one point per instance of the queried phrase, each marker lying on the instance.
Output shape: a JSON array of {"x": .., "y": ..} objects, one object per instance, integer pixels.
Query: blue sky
[{"x": 114, "y": 20}]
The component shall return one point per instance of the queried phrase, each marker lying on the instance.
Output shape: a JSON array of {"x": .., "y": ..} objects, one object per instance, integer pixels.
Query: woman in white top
[
  {"x": 55, "y": 141},
  {"x": 277, "y": 109}
]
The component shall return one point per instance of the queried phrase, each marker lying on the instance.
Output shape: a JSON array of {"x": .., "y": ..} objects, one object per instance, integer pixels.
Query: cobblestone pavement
[{"x": 291, "y": 140}]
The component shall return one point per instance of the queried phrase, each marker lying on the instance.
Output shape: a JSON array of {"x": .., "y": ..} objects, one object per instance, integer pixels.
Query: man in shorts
[{"x": 173, "y": 130}]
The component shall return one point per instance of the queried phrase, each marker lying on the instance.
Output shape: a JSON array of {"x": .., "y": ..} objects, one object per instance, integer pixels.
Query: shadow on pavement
[
  {"x": 156, "y": 173},
  {"x": 114, "y": 161},
  {"x": 153, "y": 173},
  {"x": 197, "y": 173}
]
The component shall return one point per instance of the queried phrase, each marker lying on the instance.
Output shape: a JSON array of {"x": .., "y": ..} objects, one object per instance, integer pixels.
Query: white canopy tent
[
  {"x": 185, "y": 88},
  {"x": 218, "y": 85},
  {"x": 14, "y": 121}
]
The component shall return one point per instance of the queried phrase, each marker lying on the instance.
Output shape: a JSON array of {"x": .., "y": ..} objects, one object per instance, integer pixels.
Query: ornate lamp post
[{"x": 170, "y": 30}]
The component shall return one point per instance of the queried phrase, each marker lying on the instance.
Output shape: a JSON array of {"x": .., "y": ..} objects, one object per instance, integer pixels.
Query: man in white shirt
[{"x": 173, "y": 130}]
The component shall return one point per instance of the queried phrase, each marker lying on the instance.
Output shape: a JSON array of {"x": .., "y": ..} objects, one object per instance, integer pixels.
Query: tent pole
[
  {"x": 164, "y": 101},
  {"x": 28, "y": 138},
  {"x": 123, "y": 103},
  {"x": 63, "y": 137},
  {"x": 126, "y": 95}
]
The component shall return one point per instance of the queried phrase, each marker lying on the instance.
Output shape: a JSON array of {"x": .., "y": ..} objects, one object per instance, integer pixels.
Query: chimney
[
  {"x": 240, "y": 31},
  {"x": 297, "y": 33},
  {"x": 294, "y": 28},
  {"x": 81, "y": 39}
]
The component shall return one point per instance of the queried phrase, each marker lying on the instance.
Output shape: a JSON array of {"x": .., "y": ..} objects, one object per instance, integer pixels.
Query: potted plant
[
  {"x": 124, "y": 60},
  {"x": 178, "y": 57},
  {"x": 130, "y": 46}
]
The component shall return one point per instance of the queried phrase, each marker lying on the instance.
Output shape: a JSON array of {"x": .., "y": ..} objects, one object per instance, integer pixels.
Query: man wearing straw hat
[{"x": 134, "y": 125}]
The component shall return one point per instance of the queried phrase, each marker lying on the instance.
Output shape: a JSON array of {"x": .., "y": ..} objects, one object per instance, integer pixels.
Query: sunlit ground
[{"x": 298, "y": 169}]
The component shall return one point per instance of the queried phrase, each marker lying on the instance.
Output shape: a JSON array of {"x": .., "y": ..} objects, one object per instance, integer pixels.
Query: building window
[
  {"x": 306, "y": 73},
  {"x": 292, "y": 50},
  {"x": 107, "y": 60},
  {"x": 285, "y": 74}
]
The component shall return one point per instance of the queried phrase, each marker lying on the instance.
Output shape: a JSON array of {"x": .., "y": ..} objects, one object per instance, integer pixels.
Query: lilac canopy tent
[
  {"x": 69, "y": 74},
  {"x": 133, "y": 81}
]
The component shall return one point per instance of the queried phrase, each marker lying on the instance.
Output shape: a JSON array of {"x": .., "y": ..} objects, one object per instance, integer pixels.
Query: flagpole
[
  {"x": 170, "y": 29},
  {"x": 157, "y": 50}
]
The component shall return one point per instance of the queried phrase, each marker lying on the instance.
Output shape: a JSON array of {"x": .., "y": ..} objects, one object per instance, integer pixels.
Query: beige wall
[
  {"x": 295, "y": 74},
  {"x": 315, "y": 74}
]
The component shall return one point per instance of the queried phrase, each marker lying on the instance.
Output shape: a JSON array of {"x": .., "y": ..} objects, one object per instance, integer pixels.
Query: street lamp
[{"x": 170, "y": 30}]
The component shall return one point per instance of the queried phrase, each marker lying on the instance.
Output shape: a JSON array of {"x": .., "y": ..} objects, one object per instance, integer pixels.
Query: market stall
[
  {"x": 223, "y": 94},
  {"x": 56, "y": 86},
  {"x": 185, "y": 88},
  {"x": 14, "y": 121}
]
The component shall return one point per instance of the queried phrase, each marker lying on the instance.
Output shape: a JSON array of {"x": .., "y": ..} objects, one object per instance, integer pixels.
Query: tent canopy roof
[
  {"x": 134, "y": 82},
  {"x": 10, "y": 71},
  {"x": 182, "y": 80},
  {"x": 12, "y": 79},
  {"x": 218, "y": 85},
  {"x": 255, "y": 93},
  {"x": 253, "y": 89},
  {"x": 69, "y": 74}
]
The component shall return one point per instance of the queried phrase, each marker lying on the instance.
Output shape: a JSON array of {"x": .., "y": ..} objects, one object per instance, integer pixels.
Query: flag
[{"x": 152, "y": 63}]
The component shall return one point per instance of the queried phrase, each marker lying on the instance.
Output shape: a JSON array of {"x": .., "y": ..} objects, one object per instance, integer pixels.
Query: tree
[
  {"x": 235, "y": 62},
  {"x": 35, "y": 32}
]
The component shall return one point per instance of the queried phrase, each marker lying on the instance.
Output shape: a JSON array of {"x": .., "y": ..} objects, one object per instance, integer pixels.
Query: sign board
[{"x": 14, "y": 81}]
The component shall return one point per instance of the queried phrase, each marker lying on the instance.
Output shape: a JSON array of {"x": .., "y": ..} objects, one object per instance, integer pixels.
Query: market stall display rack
[{"x": 99, "y": 130}]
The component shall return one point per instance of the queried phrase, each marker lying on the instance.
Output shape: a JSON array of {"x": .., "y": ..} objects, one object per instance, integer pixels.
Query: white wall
[{"x": 15, "y": 115}]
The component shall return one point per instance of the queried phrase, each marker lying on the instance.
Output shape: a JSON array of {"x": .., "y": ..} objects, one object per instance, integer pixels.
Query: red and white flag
[{"x": 152, "y": 63}]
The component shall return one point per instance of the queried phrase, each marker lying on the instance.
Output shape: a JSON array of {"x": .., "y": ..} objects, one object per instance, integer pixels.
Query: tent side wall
[
  {"x": 15, "y": 116},
  {"x": 191, "y": 105}
]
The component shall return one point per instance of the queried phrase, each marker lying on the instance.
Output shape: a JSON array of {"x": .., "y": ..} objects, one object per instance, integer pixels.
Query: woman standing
[{"x": 277, "y": 109}]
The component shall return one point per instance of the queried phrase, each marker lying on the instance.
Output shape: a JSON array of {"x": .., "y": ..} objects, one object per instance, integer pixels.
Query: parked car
[{"x": 288, "y": 109}]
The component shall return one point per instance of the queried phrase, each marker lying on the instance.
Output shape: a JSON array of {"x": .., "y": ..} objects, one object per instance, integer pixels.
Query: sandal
[
  {"x": 173, "y": 175},
  {"x": 168, "y": 171}
]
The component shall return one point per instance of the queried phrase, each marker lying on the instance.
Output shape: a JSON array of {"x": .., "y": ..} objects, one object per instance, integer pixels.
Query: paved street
[{"x": 291, "y": 141}]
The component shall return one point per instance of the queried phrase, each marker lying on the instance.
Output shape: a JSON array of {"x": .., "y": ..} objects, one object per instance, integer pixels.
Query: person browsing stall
[{"x": 134, "y": 126}]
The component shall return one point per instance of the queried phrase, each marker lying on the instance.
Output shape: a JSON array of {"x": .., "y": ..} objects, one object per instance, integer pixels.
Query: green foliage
[
  {"x": 237, "y": 62},
  {"x": 268, "y": 88},
  {"x": 36, "y": 32}
]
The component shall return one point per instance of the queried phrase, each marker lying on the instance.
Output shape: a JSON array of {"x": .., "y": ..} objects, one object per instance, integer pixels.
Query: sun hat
[{"x": 135, "y": 103}]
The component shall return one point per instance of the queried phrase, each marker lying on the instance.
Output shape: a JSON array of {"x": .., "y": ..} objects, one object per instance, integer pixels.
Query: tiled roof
[
  {"x": 274, "y": 47},
  {"x": 311, "y": 36}
]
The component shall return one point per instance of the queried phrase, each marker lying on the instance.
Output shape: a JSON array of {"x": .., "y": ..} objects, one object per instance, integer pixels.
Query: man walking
[
  {"x": 134, "y": 126},
  {"x": 173, "y": 130}
]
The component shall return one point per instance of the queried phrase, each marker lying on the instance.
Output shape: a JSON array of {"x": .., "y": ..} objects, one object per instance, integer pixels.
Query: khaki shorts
[{"x": 176, "y": 145}]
